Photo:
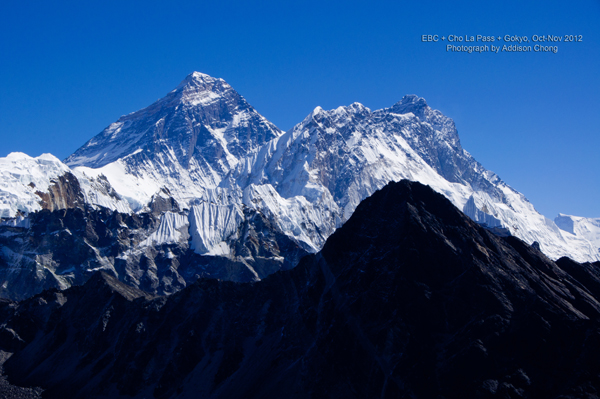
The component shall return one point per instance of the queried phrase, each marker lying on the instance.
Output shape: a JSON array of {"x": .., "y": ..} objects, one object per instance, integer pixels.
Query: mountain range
[
  {"x": 409, "y": 298},
  {"x": 199, "y": 184}
]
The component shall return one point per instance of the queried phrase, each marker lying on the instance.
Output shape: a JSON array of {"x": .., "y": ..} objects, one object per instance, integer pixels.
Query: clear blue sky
[{"x": 70, "y": 68}]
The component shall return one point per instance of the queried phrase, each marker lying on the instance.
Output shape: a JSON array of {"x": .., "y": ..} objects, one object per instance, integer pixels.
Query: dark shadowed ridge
[
  {"x": 104, "y": 281},
  {"x": 410, "y": 298}
]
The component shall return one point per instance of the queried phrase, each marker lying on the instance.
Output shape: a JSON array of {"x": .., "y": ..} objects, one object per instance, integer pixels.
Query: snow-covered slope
[
  {"x": 30, "y": 184},
  {"x": 586, "y": 228},
  {"x": 186, "y": 141},
  {"x": 21, "y": 176}
]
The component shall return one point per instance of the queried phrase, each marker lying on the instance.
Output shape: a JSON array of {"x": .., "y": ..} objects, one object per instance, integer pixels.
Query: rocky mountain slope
[
  {"x": 410, "y": 298},
  {"x": 224, "y": 193},
  {"x": 152, "y": 250}
]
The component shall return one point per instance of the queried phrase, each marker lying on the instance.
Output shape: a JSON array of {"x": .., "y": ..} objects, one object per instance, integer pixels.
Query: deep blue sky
[{"x": 70, "y": 68}]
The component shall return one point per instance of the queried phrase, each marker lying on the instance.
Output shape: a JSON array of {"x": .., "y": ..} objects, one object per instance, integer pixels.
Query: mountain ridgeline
[
  {"x": 409, "y": 298},
  {"x": 199, "y": 184}
]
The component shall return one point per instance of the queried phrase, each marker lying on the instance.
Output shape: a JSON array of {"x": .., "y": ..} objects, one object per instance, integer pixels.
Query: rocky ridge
[{"x": 408, "y": 298}]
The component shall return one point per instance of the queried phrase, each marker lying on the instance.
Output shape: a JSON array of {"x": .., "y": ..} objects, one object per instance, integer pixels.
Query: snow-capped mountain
[
  {"x": 204, "y": 185},
  {"x": 337, "y": 158},
  {"x": 187, "y": 141}
]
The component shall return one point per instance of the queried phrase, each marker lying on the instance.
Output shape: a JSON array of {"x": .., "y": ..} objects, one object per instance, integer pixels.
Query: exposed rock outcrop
[{"x": 64, "y": 192}]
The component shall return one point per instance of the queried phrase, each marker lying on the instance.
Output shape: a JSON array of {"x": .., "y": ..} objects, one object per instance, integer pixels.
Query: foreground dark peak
[{"x": 410, "y": 298}]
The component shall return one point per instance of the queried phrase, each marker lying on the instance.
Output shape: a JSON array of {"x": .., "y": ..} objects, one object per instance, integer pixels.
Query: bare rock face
[
  {"x": 63, "y": 193},
  {"x": 410, "y": 298},
  {"x": 163, "y": 202}
]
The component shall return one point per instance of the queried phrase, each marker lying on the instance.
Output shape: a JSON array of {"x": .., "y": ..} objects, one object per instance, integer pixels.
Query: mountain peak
[
  {"x": 201, "y": 89},
  {"x": 412, "y": 99},
  {"x": 197, "y": 132},
  {"x": 199, "y": 75},
  {"x": 411, "y": 103},
  {"x": 198, "y": 78},
  {"x": 354, "y": 108}
]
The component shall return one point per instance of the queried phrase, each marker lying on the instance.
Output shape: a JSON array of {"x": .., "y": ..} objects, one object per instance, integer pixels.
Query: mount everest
[{"x": 200, "y": 184}]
